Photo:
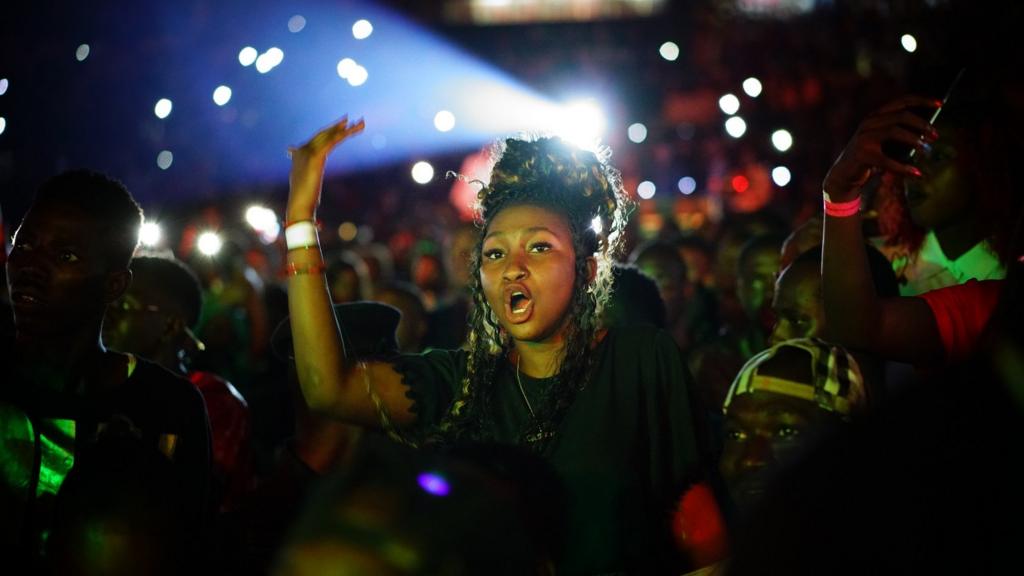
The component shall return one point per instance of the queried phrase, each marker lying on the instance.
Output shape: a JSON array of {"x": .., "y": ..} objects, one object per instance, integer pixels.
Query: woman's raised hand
[
  {"x": 308, "y": 167},
  {"x": 863, "y": 155}
]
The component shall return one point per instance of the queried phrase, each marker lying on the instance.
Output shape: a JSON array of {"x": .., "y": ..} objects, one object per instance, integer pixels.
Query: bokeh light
[
  {"x": 729, "y": 104},
  {"x": 222, "y": 95},
  {"x": 782, "y": 140},
  {"x": 735, "y": 127},
  {"x": 4, "y": 83},
  {"x": 740, "y": 183},
  {"x": 82, "y": 52},
  {"x": 582, "y": 123},
  {"x": 296, "y": 23},
  {"x": 596, "y": 225},
  {"x": 646, "y": 189},
  {"x": 781, "y": 175},
  {"x": 752, "y": 87},
  {"x": 164, "y": 159},
  {"x": 345, "y": 67},
  {"x": 347, "y": 231},
  {"x": 669, "y": 51},
  {"x": 433, "y": 483},
  {"x": 362, "y": 29},
  {"x": 269, "y": 60},
  {"x": 908, "y": 42},
  {"x": 637, "y": 132},
  {"x": 422, "y": 172},
  {"x": 358, "y": 76},
  {"x": 163, "y": 108},
  {"x": 687, "y": 185},
  {"x": 247, "y": 55},
  {"x": 209, "y": 243},
  {"x": 150, "y": 234},
  {"x": 3, "y": 124},
  {"x": 444, "y": 121}
]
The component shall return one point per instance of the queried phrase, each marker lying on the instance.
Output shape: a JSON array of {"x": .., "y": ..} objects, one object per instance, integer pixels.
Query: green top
[{"x": 624, "y": 449}]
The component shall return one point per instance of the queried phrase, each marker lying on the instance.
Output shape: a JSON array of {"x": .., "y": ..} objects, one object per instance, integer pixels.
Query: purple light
[{"x": 433, "y": 484}]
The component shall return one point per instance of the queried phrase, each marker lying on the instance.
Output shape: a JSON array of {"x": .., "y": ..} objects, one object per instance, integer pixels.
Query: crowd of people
[{"x": 541, "y": 390}]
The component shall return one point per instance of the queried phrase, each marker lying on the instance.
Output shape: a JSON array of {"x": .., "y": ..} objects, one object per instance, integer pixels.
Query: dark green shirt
[{"x": 624, "y": 449}]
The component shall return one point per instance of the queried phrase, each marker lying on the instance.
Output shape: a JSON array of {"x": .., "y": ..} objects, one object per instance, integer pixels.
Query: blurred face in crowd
[
  {"x": 797, "y": 304},
  {"x": 345, "y": 286},
  {"x": 942, "y": 197},
  {"x": 671, "y": 280},
  {"x": 58, "y": 273},
  {"x": 460, "y": 255},
  {"x": 142, "y": 321},
  {"x": 755, "y": 284},
  {"x": 527, "y": 271},
  {"x": 763, "y": 432},
  {"x": 428, "y": 273}
]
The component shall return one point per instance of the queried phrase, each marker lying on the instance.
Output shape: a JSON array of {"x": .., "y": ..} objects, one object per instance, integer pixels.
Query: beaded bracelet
[
  {"x": 293, "y": 269},
  {"x": 841, "y": 209}
]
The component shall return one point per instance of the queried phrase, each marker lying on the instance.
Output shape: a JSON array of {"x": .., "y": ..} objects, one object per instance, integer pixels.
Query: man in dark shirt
[{"x": 69, "y": 261}]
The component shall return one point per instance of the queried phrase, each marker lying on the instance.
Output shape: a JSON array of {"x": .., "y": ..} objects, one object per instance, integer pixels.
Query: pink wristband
[{"x": 842, "y": 209}]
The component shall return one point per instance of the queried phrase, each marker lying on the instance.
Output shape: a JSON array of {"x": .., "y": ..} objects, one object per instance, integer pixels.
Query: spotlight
[
  {"x": 209, "y": 243},
  {"x": 150, "y": 234},
  {"x": 582, "y": 123}
]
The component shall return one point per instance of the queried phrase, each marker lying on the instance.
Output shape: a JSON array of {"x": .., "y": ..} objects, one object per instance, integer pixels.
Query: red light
[{"x": 740, "y": 183}]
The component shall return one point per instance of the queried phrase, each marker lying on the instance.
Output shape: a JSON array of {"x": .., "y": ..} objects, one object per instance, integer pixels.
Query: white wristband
[{"x": 300, "y": 235}]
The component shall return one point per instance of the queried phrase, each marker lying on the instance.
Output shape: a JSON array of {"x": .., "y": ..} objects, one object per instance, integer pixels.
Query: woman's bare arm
[
  {"x": 331, "y": 383},
  {"x": 894, "y": 328}
]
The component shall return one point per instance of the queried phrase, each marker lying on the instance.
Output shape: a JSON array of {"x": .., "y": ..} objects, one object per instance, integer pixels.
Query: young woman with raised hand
[{"x": 607, "y": 409}]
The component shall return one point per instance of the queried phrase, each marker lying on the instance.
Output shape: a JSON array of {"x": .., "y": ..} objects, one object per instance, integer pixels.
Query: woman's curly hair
[{"x": 587, "y": 191}]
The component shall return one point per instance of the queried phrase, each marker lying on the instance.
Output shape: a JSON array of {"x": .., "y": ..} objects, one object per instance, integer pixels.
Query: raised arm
[
  {"x": 331, "y": 384},
  {"x": 894, "y": 328}
]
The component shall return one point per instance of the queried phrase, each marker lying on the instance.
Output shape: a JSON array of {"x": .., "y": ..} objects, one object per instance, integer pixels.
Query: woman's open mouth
[{"x": 518, "y": 306}]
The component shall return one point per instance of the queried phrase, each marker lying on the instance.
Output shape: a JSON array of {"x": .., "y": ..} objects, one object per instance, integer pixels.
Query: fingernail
[
  {"x": 936, "y": 103},
  {"x": 915, "y": 172}
]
